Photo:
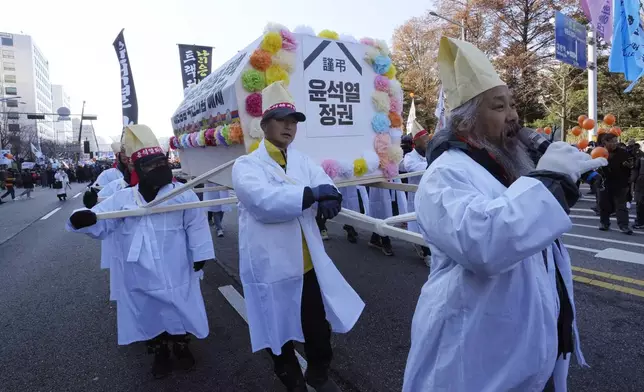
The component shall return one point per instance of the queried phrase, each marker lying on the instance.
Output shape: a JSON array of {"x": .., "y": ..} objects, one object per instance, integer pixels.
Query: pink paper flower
[{"x": 331, "y": 168}]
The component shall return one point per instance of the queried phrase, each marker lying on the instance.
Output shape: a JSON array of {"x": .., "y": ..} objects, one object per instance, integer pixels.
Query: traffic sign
[{"x": 570, "y": 41}]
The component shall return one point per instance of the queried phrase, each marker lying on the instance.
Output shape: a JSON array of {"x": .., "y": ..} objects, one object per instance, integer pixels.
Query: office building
[
  {"x": 24, "y": 75},
  {"x": 88, "y": 134},
  {"x": 62, "y": 129}
]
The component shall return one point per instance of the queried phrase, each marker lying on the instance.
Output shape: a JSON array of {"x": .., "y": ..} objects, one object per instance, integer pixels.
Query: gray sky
[{"x": 76, "y": 36}]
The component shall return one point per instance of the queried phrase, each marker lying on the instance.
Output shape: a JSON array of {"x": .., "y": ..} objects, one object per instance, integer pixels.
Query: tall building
[
  {"x": 25, "y": 76},
  {"x": 88, "y": 134},
  {"x": 62, "y": 129}
]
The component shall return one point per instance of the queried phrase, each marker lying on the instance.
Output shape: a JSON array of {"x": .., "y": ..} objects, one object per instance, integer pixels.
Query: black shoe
[
  {"x": 162, "y": 365},
  {"x": 352, "y": 235},
  {"x": 318, "y": 380},
  {"x": 376, "y": 241},
  {"x": 604, "y": 227},
  {"x": 638, "y": 226},
  {"x": 292, "y": 378},
  {"x": 626, "y": 230},
  {"x": 386, "y": 247},
  {"x": 185, "y": 359},
  {"x": 595, "y": 210}
]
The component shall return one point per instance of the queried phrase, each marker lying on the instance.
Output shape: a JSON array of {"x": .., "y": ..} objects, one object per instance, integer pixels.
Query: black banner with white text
[
  {"x": 196, "y": 63},
  {"x": 129, "y": 103}
]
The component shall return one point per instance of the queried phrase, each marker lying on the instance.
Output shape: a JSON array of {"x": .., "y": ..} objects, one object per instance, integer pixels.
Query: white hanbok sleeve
[
  {"x": 103, "y": 227},
  {"x": 266, "y": 202},
  {"x": 487, "y": 236},
  {"x": 198, "y": 234},
  {"x": 412, "y": 165}
]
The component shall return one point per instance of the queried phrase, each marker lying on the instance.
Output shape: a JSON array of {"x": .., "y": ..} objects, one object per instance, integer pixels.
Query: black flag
[
  {"x": 196, "y": 63},
  {"x": 128, "y": 92}
]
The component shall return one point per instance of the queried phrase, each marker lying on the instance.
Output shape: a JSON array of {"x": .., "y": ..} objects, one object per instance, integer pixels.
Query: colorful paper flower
[
  {"x": 304, "y": 30},
  {"x": 261, "y": 60},
  {"x": 331, "y": 168},
  {"x": 396, "y": 120},
  {"x": 289, "y": 42},
  {"x": 346, "y": 169},
  {"x": 373, "y": 161},
  {"x": 381, "y": 45},
  {"x": 236, "y": 134},
  {"x": 275, "y": 73},
  {"x": 381, "y": 143},
  {"x": 367, "y": 41},
  {"x": 380, "y": 123},
  {"x": 381, "y": 101},
  {"x": 201, "y": 138},
  {"x": 395, "y": 105},
  {"x": 272, "y": 42},
  {"x": 391, "y": 72},
  {"x": 254, "y": 104},
  {"x": 360, "y": 167},
  {"x": 382, "y": 83},
  {"x": 225, "y": 133},
  {"x": 274, "y": 27},
  {"x": 253, "y": 80},
  {"x": 329, "y": 34},
  {"x": 173, "y": 140},
  {"x": 381, "y": 64},
  {"x": 221, "y": 139},
  {"x": 285, "y": 59},
  {"x": 210, "y": 137},
  {"x": 193, "y": 139},
  {"x": 390, "y": 170},
  {"x": 256, "y": 131},
  {"x": 395, "y": 154},
  {"x": 370, "y": 54}
]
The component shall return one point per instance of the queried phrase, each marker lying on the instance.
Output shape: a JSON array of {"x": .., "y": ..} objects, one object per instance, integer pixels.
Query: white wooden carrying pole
[{"x": 383, "y": 227}]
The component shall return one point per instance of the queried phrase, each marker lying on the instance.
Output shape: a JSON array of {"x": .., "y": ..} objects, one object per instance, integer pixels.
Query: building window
[
  {"x": 7, "y": 41},
  {"x": 9, "y": 66},
  {"x": 11, "y": 91},
  {"x": 12, "y": 103},
  {"x": 7, "y": 54},
  {"x": 10, "y": 78}
]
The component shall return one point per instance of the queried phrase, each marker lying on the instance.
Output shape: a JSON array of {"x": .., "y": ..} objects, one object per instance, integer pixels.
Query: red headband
[
  {"x": 144, "y": 152},
  {"x": 420, "y": 134},
  {"x": 280, "y": 105}
]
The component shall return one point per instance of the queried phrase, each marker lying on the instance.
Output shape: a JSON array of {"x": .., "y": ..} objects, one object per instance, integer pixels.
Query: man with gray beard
[{"x": 497, "y": 312}]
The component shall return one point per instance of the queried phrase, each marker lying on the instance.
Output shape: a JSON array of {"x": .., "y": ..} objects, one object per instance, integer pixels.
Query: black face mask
[{"x": 152, "y": 181}]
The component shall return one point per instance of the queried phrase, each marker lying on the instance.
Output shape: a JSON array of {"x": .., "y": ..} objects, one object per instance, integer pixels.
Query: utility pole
[
  {"x": 592, "y": 79},
  {"x": 80, "y": 130}
]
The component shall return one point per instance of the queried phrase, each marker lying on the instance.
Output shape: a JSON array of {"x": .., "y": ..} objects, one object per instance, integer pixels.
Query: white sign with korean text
[{"x": 338, "y": 86}]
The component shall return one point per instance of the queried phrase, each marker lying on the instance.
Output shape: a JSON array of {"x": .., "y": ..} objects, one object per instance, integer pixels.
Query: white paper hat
[
  {"x": 465, "y": 71},
  {"x": 116, "y": 147},
  {"x": 417, "y": 130},
  {"x": 278, "y": 103},
  {"x": 140, "y": 141}
]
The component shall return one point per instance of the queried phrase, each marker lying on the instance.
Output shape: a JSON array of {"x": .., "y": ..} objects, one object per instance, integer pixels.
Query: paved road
[{"x": 57, "y": 330}]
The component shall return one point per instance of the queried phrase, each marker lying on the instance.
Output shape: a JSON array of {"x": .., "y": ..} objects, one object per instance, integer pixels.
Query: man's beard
[{"x": 509, "y": 152}]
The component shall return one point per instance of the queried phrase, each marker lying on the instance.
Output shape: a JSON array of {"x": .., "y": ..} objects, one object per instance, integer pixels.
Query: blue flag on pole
[{"x": 627, "y": 52}]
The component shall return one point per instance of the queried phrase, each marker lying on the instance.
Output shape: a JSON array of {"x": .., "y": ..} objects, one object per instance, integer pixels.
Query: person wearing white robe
[
  {"x": 162, "y": 257},
  {"x": 216, "y": 213},
  {"x": 63, "y": 179},
  {"x": 292, "y": 289},
  {"x": 381, "y": 206},
  {"x": 354, "y": 198},
  {"x": 497, "y": 312},
  {"x": 412, "y": 162},
  {"x": 114, "y": 173}
]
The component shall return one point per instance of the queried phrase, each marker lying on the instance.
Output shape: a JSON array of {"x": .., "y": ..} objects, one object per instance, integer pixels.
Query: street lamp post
[{"x": 461, "y": 25}]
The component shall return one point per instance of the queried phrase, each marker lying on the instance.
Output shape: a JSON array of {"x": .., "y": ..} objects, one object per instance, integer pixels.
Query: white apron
[
  {"x": 271, "y": 223},
  {"x": 107, "y": 245},
  {"x": 160, "y": 290}
]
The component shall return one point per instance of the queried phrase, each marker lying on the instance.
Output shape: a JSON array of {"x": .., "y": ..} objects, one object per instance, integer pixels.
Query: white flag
[
  {"x": 412, "y": 116},
  {"x": 440, "y": 111},
  {"x": 35, "y": 151}
]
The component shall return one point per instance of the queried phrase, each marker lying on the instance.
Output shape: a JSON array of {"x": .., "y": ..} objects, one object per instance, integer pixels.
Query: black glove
[
  {"x": 84, "y": 218},
  {"x": 90, "y": 198},
  {"x": 326, "y": 192},
  {"x": 329, "y": 209},
  {"x": 198, "y": 266}
]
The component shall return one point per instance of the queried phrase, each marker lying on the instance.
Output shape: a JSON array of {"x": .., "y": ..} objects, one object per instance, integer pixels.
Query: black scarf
[{"x": 566, "y": 316}]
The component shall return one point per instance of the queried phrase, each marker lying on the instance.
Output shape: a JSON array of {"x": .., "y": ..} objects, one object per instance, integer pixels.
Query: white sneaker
[
  {"x": 628, "y": 205},
  {"x": 428, "y": 260},
  {"x": 325, "y": 235},
  {"x": 220, "y": 233}
]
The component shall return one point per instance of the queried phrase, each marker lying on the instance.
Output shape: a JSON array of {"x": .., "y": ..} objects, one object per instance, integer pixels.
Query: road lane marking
[
  {"x": 591, "y": 211},
  {"x": 621, "y": 255},
  {"x": 591, "y": 250},
  {"x": 604, "y": 239},
  {"x": 76, "y": 195},
  {"x": 609, "y": 286},
  {"x": 51, "y": 213},
  {"x": 635, "y": 232},
  {"x": 239, "y": 304},
  {"x": 610, "y": 276}
]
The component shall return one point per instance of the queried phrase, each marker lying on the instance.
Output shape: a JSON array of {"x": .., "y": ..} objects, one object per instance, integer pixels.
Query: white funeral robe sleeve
[
  {"x": 160, "y": 289},
  {"x": 108, "y": 261},
  {"x": 271, "y": 225},
  {"x": 107, "y": 176},
  {"x": 486, "y": 319}
]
